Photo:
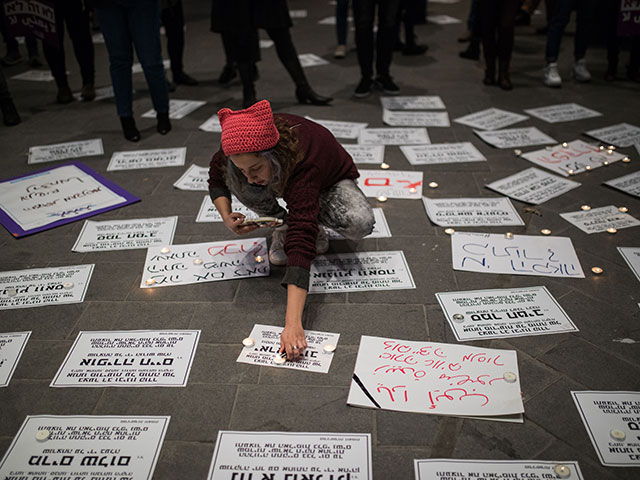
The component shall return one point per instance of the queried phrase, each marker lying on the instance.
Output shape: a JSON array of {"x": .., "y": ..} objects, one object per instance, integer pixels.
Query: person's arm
[
  {"x": 293, "y": 333},
  {"x": 232, "y": 220}
]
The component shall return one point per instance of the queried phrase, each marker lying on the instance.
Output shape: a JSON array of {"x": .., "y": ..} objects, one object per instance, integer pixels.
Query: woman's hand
[
  {"x": 293, "y": 341},
  {"x": 233, "y": 222}
]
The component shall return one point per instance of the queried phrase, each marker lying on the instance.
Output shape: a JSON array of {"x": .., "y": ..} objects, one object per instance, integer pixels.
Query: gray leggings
[{"x": 343, "y": 207}]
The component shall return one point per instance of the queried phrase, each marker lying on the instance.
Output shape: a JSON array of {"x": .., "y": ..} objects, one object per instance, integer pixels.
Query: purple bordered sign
[{"x": 55, "y": 196}]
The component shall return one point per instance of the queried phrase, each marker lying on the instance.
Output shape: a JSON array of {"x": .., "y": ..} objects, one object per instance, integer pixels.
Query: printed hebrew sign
[
  {"x": 390, "y": 183},
  {"x": 415, "y": 119},
  {"x": 341, "y": 129},
  {"x": 631, "y": 255},
  {"x": 620, "y": 135},
  {"x": 515, "y": 137},
  {"x": 393, "y": 136},
  {"x": 135, "y": 159},
  {"x": 442, "y": 153},
  {"x": 365, "y": 153},
  {"x": 418, "y": 102},
  {"x": 196, "y": 178},
  {"x": 628, "y": 183},
  {"x": 533, "y": 186},
  {"x": 491, "y": 119}
]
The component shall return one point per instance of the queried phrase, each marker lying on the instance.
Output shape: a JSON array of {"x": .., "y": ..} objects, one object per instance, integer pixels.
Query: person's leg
[
  {"x": 363, "y": 15},
  {"x": 385, "y": 42},
  {"x": 345, "y": 209},
  {"x": 10, "y": 115},
  {"x": 55, "y": 56},
  {"x": 633, "y": 69},
  {"x": 559, "y": 21},
  {"x": 241, "y": 48},
  {"x": 342, "y": 14},
  {"x": 78, "y": 24},
  {"x": 489, "y": 20},
  {"x": 506, "y": 32}
]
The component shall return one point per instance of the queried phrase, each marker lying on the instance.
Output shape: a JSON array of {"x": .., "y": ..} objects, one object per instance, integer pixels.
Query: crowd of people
[{"x": 128, "y": 25}]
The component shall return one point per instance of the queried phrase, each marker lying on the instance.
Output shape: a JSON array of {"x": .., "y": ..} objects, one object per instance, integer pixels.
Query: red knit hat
[{"x": 248, "y": 130}]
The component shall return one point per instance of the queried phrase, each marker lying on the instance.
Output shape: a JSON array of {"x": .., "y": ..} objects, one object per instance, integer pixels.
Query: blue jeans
[
  {"x": 136, "y": 24},
  {"x": 585, "y": 10}
]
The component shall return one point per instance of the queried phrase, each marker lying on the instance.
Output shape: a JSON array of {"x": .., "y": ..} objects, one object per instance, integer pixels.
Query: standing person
[
  {"x": 126, "y": 24},
  {"x": 559, "y": 19},
  {"x": 75, "y": 15},
  {"x": 342, "y": 18},
  {"x": 498, "y": 19},
  {"x": 364, "y": 15},
  {"x": 173, "y": 23},
  {"x": 265, "y": 156},
  {"x": 10, "y": 115}
]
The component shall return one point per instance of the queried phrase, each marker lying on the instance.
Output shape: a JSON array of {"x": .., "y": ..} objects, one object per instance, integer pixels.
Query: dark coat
[{"x": 247, "y": 14}]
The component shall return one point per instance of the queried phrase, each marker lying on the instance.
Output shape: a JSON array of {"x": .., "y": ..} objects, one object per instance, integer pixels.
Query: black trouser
[
  {"x": 173, "y": 23},
  {"x": 498, "y": 18},
  {"x": 4, "y": 89},
  {"x": 76, "y": 17},
  {"x": 559, "y": 20},
  {"x": 364, "y": 14}
]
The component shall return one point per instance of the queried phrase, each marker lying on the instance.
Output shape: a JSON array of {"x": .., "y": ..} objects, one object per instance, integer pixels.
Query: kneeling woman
[{"x": 264, "y": 157}]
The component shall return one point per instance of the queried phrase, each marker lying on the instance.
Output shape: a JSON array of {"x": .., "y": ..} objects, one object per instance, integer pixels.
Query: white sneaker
[
  {"x": 552, "y": 75},
  {"x": 341, "y": 51},
  {"x": 580, "y": 72},
  {"x": 277, "y": 255},
  {"x": 322, "y": 242}
]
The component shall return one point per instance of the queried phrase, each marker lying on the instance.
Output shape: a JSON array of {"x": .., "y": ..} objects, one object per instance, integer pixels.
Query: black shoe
[
  {"x": 414, "y": 49},
  {"x": 472, "y": 52},
  {"x": 184, "y": 79},
  {"x": 9, "y": 113},
  {"x": 164, "y": 125},
  {"x": 64, "y": 95},
  {"x": 387, "y": 85},
  {"x": 227, "y": 75},
  {"x": 129, "y": 129},
  {"x": 305, "y": 94},
  {"x": 363, "y": 89},
  {"x": 171, "y": 86},
  {"x": 248, "y": 97}
]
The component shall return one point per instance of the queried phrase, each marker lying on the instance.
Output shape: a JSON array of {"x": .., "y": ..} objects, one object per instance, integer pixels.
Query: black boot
[
  {"x": 9, "y": 113},
  {"x": 246, "y": 72},
  {"x": 129, "y": 129},
  {"x": 164, "y": 125}
]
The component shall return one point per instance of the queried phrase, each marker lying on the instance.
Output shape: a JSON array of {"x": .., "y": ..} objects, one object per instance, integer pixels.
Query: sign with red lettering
[
  {"x": 435, "y": 378},
  {"x": 173, "y": 265},
  {"x": 390, "y": 183},
  {"x": 458, "y": 469}
]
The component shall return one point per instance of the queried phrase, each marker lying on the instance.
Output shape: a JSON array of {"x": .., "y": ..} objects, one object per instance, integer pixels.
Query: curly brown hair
[{"x": 286, "y": 153}]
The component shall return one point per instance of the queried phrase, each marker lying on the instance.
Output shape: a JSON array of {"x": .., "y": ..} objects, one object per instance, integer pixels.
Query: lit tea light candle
[
  {"x": 612, "y": 230},
  {"x": 586, "y": 208},
  {"x": 165, "y": 250},
  {"x": 565, "y": 144},
  {"x": 517, "y": 151},
  {"x": 433, "y": 184},
  {"x": 412, "y": 190},
  {"x": 601, "y": 147},
  {"x": 385, "y": 166},
  {"x": 597, "y": 270},
  {"x": 562, "y": 471},
  {"x": 605, "y": 163},
  {"x": 588, "y": 167},
  {"x": 458, "y": 317},
  {"x": 623, "y": 209},
  {"x": 67, "y": 285},
  {"x": 449, "y": 231},
  {"x": 509, "y": 377},
  {"x": 279, "y": 359},
  {"x": 197, "y": 261},
  {"x": 626, "y": 160},
  {"x": 248, "y": 342},
  {"x": 150, "y": 281},
  {"x": 571, "y": 172},
  {"x": 609, "y": 152},
  {"x": 545, "y": 231},
  {"x": 508, "y": 235},
  {"x": 259, "y": 259},
  {"x": 382, "y": 198},
  {"x": 329, "y": 348}
]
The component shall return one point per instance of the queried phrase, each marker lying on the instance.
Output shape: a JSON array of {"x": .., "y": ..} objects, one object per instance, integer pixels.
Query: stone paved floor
[{"x": 223, "y": 394}]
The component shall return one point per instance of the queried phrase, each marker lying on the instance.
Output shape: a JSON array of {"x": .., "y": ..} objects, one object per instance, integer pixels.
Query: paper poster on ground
[
  {"x": 61, "y": 151},
  {"x": 311, "y": 60},
  {"x": 394, "y": 136},
  {"x": 35, "y": 76},
  {"x": 267, "y": 346},
  {"x": 129, "y": 358},
  {"x": 360, "y": 272},
  {"x": 573, "y": 157},
  {"x": 440, "y": 469},
  {"x": 517, "y": 255},
  {"x": 533, "y": 186},
  {"x": 212, "y": 124},
  {"x": 173, "y": 265},
  {"x": 85, "y": 447},
  {"x": 136, "y": 159},
  {"x": 631, "y": 255},
  {"x": 415, "y": 119},
  {"x": 365, "y": 153},
  {"x": 627, "y": 183},
  {"x": 435, "y": 378},
  {"x": 600, "y": 219},
  {"x": 55, "y": 196},
  {"x": 612, "y": 420},
  {"x": 390, "y": 183},
  {"x": 196, "y": 178},
  {"x": 11, "y": 348},
  {"x": 515, "y": 137},
  {"x": 619, "y": 135},
  {"x": 341, "y": 129},
  {"x": 564, "y": 112},
  {"x": 291, "y": 456},
  {"x": 125, "y": 234},
  {"x": 442, "y": 153},
  {"x": 490, "y": 119},
  {"x": 209, "y": 213},
  {"x": 471, "y": 212},
  {"x": 380, "y": 228},
  {"x": 442, "y": 19},
  {"x": 177, "y": 109},
  {"x": 503, "y": 313},
  {"x": 416, "y": 102}
]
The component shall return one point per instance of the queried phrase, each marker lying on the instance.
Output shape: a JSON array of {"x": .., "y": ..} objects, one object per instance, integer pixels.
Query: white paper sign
[
  {"x": 390, "y": 183},
  {"x": 576, "y": 157},
  {"x": 35, "y": 76},
  {"x": 471, "y": 212},
  {"x": 620, "y": 134},
  {"x": 209, "y": 213},
  {"x": 125, "y": 234},
  {"x": 417, "y": 102},
  {"x": 291, "y": 456},
  {"x": 212, "y": 124},
  {"x": 205, "y": 262},
  {"x": 600, "y": 219},
  {"x": 136, "y": 358},
  {"x": 394, "y": 136},
  {"x": 196, "y": 178},
  {"x": 135, "y": 159},
  {"x": 628, "y": 183},
  {"x": 267, "y": 346},
  {"x": 503, "y": 313},
  {"x": 360, "y": 272},
  {"x": 612, "y": 420},
  {"x": 519, "y": 255},
  {"x": 60, "y": 151},
  {"x": 564, "y": 112},
  {"x": 177, "y": 109},
  {"x": 533, "y": 186},
  {"x": 11, "y": 348},
  {"x": 380, "y": 228},
  {"x": 442, "y": 19},
  {"x": 631, "y": 255},
  {"x": 415, "y": 119},
  {"x": 137, "y": 67},
  {"x": 515, "y": 137},
  {"x": 311, "y": 60},
  {"x": 442, "y": 153},
  {"x": 440, "y": 469},
  {"x": 97, "y": 37},
  {"x": 85, "y": 447},
  {"x": 37, "y": 287},
  {"x": 46, "y": 197},
  {"x": 491, "y": 119},
  {"x": 365, "y": 153},
  {"x": 341, "y": 129},
  {"x": 436, "y": 378}
]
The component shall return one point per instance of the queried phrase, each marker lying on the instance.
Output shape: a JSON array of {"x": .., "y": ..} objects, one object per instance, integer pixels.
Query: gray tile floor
[{"x": 223, "y": 394}]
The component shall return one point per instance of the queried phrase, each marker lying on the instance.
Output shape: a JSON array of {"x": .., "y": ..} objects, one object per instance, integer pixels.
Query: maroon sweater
[{"x": 324, "y": 164}]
